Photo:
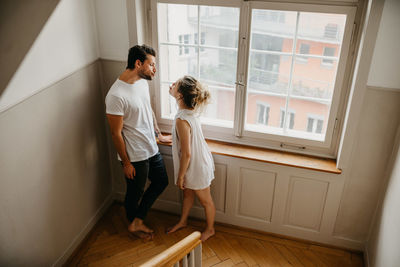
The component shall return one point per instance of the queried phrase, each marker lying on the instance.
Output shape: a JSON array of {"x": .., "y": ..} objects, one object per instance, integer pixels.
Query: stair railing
[{"x": 187, "y": 252}]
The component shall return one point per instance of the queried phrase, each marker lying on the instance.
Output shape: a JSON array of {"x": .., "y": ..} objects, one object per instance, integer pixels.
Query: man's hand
[
  {"x": 129, "y": 170},
  {"x": 181, "y": 183},
  {"x": 165, "y": 138}
]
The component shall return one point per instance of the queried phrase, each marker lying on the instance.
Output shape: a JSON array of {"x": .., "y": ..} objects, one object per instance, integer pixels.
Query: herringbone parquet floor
[{"x": 110, "y": 244}]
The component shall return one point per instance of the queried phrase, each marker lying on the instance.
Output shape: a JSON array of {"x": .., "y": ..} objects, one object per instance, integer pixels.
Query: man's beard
[{"x": 145, "y": 76}]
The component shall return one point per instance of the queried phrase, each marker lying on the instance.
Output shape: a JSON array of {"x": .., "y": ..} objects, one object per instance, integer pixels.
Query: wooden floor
[{"x": 110, "y": 244}]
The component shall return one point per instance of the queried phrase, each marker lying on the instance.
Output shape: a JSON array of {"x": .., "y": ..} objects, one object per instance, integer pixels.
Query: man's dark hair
[{"x": 139, "y": 52}]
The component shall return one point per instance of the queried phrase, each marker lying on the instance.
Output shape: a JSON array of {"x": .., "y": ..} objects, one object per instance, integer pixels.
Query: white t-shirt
[
  {"x": 132, "y": 101},
  {"x": 201, "y": 168}
]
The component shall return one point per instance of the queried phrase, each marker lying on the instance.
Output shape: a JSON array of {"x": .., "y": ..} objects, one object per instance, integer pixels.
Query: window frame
[{"x": 239, "y": 134}]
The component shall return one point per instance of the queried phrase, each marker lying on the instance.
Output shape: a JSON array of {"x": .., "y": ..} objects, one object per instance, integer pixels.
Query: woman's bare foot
[
  {"x": 143, "y": 235},
  {"x": 176, "y": 227},
  {"x": 138, "y": 225},
  {"x": 207, "y": 234}
]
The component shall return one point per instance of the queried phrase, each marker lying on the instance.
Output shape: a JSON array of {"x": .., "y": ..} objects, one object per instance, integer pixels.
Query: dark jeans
[{"x": 154, "y": 169}]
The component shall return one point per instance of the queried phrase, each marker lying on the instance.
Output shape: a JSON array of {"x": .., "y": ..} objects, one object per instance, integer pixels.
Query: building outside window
[
  {"x": 304, "y": 50},
  {"x": 277, "y": 54},
  {"x": 329, "y": 52},
  {"x": 315, "y": 124},
  {"x": 289, "y": 120},
  {"x": 262, "y": 113}
]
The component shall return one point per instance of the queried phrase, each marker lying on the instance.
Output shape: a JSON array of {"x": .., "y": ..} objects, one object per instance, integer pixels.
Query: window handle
[{"x": 240, "y": 83}]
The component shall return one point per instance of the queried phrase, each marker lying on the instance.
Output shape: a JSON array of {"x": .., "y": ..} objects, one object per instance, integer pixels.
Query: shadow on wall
[{"x": 20, "y": 24}]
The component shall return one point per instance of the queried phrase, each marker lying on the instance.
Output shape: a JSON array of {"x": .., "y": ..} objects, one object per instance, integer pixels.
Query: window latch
[
  {"x": 292, "y": 146},
  {"x": 240, "y": 83}
]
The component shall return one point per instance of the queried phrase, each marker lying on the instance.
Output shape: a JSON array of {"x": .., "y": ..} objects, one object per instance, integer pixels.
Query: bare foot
[
  {"x": 176, "y": 227},
  {"x": 143, "y": 235},
  {"x": 207, "y": 234},
  {"x": 138, "y": 225}
]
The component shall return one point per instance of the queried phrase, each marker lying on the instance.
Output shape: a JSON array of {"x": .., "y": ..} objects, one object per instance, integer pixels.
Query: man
[{"x": 133, "y": 128}]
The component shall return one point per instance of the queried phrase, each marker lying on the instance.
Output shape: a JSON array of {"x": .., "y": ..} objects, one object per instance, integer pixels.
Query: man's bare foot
[
  {"x": 207, "y": 234},
  {"x": 138, "y": 225},
  {"x": 143, "y": 235},
  {"x": 176, "y": 227}
]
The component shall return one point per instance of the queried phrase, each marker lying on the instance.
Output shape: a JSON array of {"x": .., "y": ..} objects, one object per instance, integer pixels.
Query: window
[
  {"x": 314, "y": 124},
  {"x": 329, "y": 52},
  {"x": 262, "y": 113},
  {"x": 331, "y": 31},
  {"x": 277, "y": 54},
  {"x": 202, "y": 40},
  {"x": 304, "y": 50},
  {"x": 289, "y": 121},
  {"x": 184, "y": 39}
]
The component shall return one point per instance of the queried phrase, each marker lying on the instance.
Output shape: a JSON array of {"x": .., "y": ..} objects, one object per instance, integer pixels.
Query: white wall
[
  {"x": 384, "y": 240},
  {"x": 382, "y": 248},
  {"x": 385, "y": 66},
  {"x": 54, "y": 166},
  {"x": 66, "y": 43},
  {"x": 112, "y": 22}
]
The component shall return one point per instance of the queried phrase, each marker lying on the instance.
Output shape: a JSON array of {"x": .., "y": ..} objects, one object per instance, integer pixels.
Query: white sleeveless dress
[{"x": 201, "y": 168}]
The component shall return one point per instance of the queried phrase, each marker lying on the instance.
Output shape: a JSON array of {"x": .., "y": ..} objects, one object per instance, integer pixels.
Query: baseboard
[
  {"x": 81, "y": 236},
  {"x": 366, "y": 256}
]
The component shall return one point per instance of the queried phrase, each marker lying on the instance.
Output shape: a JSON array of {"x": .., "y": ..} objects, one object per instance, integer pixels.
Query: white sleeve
[{"x": 114, "y": 105}]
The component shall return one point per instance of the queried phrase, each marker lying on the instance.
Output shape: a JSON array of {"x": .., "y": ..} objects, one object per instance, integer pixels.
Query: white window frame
[{"x": 216, "y": 131}]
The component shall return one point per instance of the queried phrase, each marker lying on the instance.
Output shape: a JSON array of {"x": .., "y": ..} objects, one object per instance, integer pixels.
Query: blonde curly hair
[{"x": 195, "y": 95}]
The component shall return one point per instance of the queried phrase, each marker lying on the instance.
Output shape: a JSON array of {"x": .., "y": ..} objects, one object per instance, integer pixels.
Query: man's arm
[
  {"x": 161, "y": 138},
  {"x": 116, "y": 123}
]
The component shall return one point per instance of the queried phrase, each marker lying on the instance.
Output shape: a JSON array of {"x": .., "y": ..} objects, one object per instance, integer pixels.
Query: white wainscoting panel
[
  {"x": 256, "y": 193},
  {"x": 268, "y": 197},
  {"x": 306, "y": 202}
]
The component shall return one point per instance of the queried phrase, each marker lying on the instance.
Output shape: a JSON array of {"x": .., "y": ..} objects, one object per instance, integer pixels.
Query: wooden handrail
[{"x": 176, "y": 252}]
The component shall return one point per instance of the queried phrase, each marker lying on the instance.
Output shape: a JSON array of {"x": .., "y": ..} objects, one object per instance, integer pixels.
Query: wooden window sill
[{"x": 271, "y": 156}]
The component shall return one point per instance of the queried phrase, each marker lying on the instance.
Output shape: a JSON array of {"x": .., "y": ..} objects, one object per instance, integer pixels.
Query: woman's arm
[{"x": 183, "y": 129}]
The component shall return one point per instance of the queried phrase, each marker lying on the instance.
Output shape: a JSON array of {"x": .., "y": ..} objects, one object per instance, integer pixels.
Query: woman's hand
[{"x": 181, "y": 183}]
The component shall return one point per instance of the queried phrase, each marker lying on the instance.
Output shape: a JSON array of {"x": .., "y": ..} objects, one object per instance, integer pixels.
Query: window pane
[
  {"x": 175, "y": 21},
  {"x": 268, "y": 72},
  {"x": 315, "y": 79},
  {"x": 297, "y": 80},
  {"x": 272, "y": 123},
  {"x": 220, "y": 111},
  {"x": 310, "y": 116},
  {"x": 310, "y": 124},
  {"x": 272, "y": 30},
  {"x": 218, "y": 66},
  {"x": 183, "y": 52},
  {"x": 220, "y": 25},
  {"x": 321, "y": 28},
  {"x": 173, "y": 65},
  {"x": 168, "y": 103}
]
